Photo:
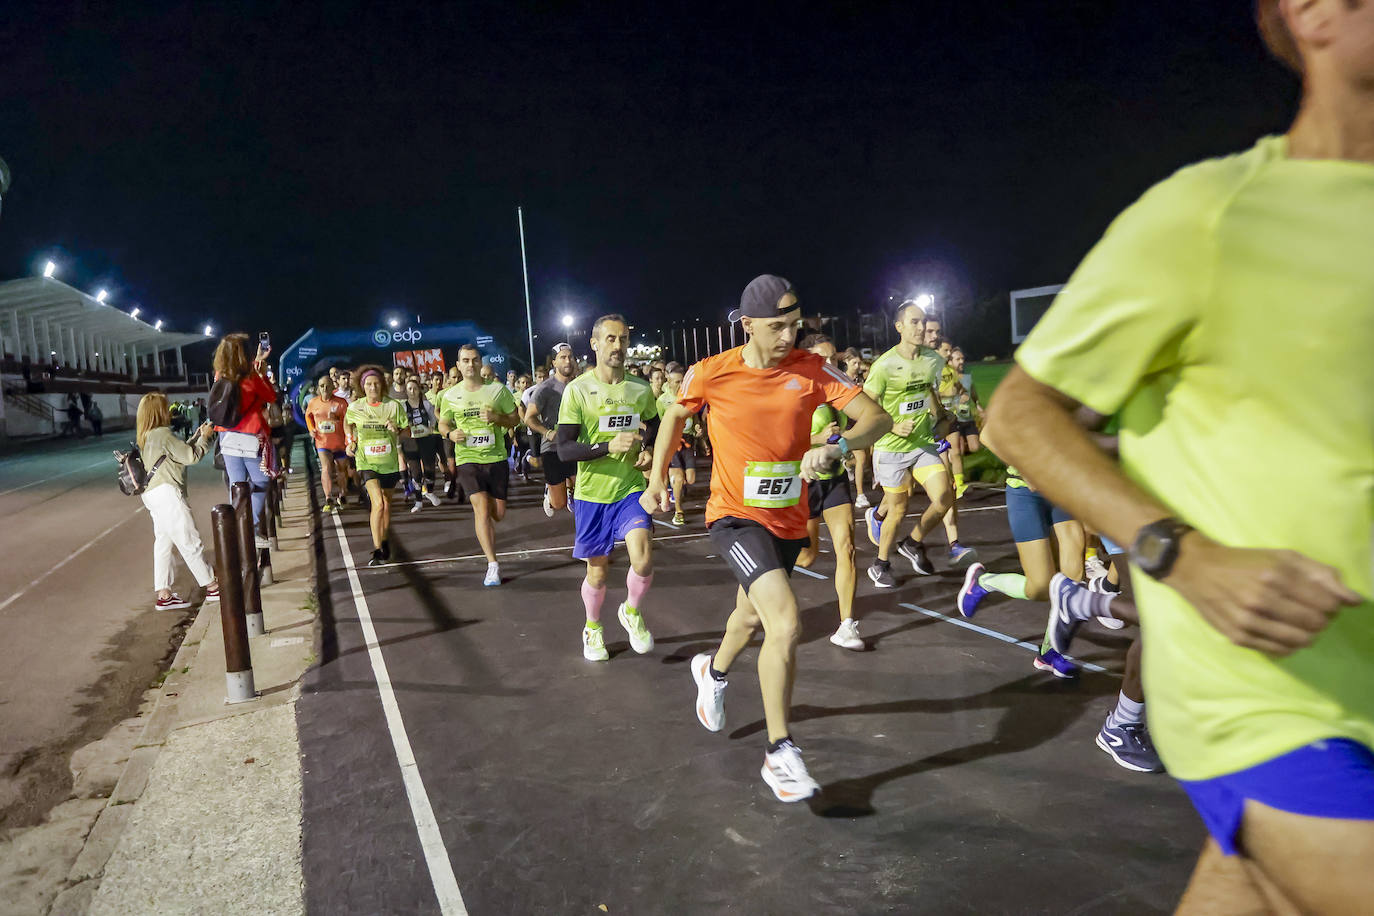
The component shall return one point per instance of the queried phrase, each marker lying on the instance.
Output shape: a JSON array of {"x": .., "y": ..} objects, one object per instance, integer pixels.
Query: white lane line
[
  {"x": 806, "y": 572},
  {"x": 958, "y": 622},
  {"x": 514, "y": 553},
  {"x": 431, "y": 842},
  {"x": 76, "y": 553},
  {"x": 84, "y": 467}
]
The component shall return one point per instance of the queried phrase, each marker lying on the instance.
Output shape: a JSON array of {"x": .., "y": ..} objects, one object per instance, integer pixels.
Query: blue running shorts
[
  {"x": 1031, "y": 516},
  {"x": 1332, "y": 778},
  {"x": 600, "y": 525}
]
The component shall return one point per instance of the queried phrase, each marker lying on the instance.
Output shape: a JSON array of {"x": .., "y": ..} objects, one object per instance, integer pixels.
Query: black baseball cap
[
  {"x": 560, "y": 347},
  {"x": 762, "y": 298}
]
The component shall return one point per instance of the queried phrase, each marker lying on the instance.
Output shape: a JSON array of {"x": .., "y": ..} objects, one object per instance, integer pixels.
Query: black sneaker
[
  {"x": 386, "y": 549},
  {"x": 917, "y": 555},
  {"x": 882, "y": 576},
  {"x": 377, "y": 559}
]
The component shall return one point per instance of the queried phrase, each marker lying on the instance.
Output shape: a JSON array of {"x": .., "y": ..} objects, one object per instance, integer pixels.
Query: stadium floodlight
[
  {"x": 102, "y": 296},
  {"x": 134, "y": 313},
  {"x": 394, "y": 323},
  {"x": 925, "y": 301},
  {"x": 157, "y": 325},
  {"x": 49, "y": 269},
  {"x": 567, "y": 321},
  {"x": 208, "y": 331}
]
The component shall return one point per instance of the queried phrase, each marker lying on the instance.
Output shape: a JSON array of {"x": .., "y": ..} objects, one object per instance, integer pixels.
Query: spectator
[
  {"x": 202, "y": 415},
  {"x": 165, "y": 499},
  {"x": 96, "y": 416},
  {"x": 245, "y": 445},
  {"x": 73, "y": 425}
]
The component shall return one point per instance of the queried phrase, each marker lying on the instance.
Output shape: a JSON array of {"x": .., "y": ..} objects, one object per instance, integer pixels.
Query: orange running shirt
[
  {"x": 325, "y": 420},
  {"x": 760, "y": 428}
]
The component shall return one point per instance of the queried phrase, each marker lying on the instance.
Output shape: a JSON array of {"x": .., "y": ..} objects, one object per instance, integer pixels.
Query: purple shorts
[
  {"x": 600, "y": 525},
  {"x": 1332, "y": 778}
]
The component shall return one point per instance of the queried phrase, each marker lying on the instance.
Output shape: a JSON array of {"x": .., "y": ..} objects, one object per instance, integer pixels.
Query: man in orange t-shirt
[
  {"x": 324, "y": 417},
  {"x": 762, "y": 396}
]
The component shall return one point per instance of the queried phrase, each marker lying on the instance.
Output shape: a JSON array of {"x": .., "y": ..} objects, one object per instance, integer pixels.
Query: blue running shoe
[
  {"x": 1056, "y": 664},
  {"x": 959, "y": 554},
  {"x": 1060, "y": 630},
  {"x": 972, "y": 594},
  {"x": 1130, "y": 746},
  {"x": 873, "y": 524}
]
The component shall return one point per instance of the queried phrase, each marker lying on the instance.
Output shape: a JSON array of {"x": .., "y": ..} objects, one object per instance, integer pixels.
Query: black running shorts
[
  {"x": 752, "y": 550},
  {"x": 826, "y": 494},
  {"x": 556, "y": 470},
  {"x": 388, "y": 481},
  {"x": 492, "y": 479},
  {"x": 684, "y": 459}
]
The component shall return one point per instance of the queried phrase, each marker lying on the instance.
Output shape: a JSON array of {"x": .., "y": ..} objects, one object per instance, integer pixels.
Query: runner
[
  {"x": 1255, "y": 593},
  {"x": 324, "y": 417},
  {"x": 421, "y": 450},
  {"x": 755, "y": 514},
  {"x": 949, "y": 392},
  {"x": 829, "y": 497},
  {"x": 853, "y": 365},
  {"x": 904, "y": 380},
  {"x": 376, "y": 425},
  {"x": 682, "y": 470},
  {"x": 603, "y": 422},
  {"x": 475, "y": 416},
  {"x": 542, "y": 417},
  {"x": 521, "y": 439},
  {"x": 968, "y": 410},
  {"x": 345, "y": 390},
  {"x": 656, "y": 379}
]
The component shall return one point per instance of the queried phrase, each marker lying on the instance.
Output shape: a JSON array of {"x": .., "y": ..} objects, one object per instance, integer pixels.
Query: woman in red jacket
[{"x": 244, "y": 445}]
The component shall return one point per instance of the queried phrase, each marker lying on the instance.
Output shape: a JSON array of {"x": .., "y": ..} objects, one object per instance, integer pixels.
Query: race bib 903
[
  {"x": 618, "y": 422},
  {"x": 772, "y": 484},
  {"x": 911, "y": 405}
]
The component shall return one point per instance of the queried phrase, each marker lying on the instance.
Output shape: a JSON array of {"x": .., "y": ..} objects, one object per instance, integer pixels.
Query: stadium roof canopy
[{"x": 42, "y": 316}]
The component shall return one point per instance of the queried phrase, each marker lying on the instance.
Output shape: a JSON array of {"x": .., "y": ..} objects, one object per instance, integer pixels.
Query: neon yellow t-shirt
[
  {"x": 904, "y": 388},
  {"x": 604, "y": 411},
  {"x": 1207, "y": 314},
  {"x": 486, "y": 442},
  {"x": 377, "y": 448},
  {"x": 823, "y": 416}
]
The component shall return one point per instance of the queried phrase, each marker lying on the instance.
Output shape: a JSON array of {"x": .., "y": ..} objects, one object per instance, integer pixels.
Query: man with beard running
[
  {"x": 603, "y": 422},
  {"x": 762, "y": 396}
]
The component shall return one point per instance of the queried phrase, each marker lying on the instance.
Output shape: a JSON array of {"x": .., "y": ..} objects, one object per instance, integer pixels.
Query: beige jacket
[{"x": 162, "y": 441}]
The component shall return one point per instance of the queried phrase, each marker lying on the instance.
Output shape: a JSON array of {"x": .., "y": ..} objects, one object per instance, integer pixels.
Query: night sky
[{"x": 288, "y": 165}]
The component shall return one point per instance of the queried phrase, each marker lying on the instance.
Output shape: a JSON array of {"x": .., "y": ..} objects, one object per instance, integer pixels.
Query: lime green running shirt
[
  {"x": 693, "y": 425},
  {"x": 823, "y": 417},
  {"x": 377, "y": 449},
  {"x": 604, "y": 411},
  {"x": 1209, "y": 312},
  {"x": 486, "y": 442},
  {"x": 904, "y": 387}
]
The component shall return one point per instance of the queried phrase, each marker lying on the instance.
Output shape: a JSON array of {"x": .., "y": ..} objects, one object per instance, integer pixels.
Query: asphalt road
[
  {"x": 463, "y": 751},
  {"x": 81, "y": 638}
]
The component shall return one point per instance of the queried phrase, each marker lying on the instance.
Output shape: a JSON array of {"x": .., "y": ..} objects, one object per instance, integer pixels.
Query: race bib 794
[{"x": 480, "y": 438}]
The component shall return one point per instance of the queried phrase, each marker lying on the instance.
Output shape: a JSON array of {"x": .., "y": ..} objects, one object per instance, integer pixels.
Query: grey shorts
[{"x": 894, "y": 470}]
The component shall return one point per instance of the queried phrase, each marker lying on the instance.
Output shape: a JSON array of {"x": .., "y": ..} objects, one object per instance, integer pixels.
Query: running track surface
[{"x": 956, "y": 777}]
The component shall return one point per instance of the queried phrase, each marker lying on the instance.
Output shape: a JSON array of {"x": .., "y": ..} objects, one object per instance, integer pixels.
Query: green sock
[
  {"x": 593, "y": 624},
  {"x": 1012, "y": 584}
]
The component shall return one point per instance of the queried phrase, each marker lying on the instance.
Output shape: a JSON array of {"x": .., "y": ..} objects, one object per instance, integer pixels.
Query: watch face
[{"x": 1150, "y": 550}]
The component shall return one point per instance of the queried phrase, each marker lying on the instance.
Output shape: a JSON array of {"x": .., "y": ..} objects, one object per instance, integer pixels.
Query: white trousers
[{"x": 173, "y": 526}]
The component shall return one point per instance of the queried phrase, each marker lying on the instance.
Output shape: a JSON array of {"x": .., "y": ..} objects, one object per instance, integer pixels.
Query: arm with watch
[
  {"x": 1275, "y": 601},
  {"x": 871, "y": 423}
]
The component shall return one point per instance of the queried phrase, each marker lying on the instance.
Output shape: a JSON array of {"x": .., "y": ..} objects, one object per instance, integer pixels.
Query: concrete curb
[{"x": 119, "y": 861}]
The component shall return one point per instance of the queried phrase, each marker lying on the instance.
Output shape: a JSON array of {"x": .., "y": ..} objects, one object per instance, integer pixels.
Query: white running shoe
[
  {"x": 641, "y": 640},
  {"x": 1093, "y": 569},
  {"x": 493, "y": 575},
  {"x": 847, "y": 636},
  {"x": 594, "y": 644},
  {"x": 710, "y": 694},
  {"x": 432, "y": 497},
  {"x": 1110, "y": 623},
  {"x": 861, "y": 502},
  {"x": 786, "y": 774},
  {"x": 548, "y": 504},
  {"x": 415, "y": 508}
]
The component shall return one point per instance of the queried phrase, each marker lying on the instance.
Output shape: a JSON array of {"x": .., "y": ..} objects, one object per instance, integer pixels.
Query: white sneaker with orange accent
[
  {"x": 710, "y": 694},
  {"x": 786, "y": 774}
]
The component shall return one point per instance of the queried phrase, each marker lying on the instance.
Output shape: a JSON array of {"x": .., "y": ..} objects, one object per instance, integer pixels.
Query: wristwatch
[{"x": 1156, "y": 546}]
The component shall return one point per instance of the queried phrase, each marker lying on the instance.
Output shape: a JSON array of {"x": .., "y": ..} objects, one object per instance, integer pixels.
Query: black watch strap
[{"x": 1156, "y": 546}]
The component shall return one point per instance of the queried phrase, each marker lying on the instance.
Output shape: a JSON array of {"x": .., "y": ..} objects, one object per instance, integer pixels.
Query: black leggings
[{"x": 420, "y": 457}]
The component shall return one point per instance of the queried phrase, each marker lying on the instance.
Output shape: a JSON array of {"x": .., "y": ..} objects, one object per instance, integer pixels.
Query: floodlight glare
[
  {"x": 925, "y": 301},
  {"x": 134, "y": 313},
  {"x": 101, "y": 296},
  {"x": 394, "y": 323},
  {"x": 567, "y": 321},
  {"x": 49, "y": 269},
  {"x": 157, "y": 326},
  {"x": 207, "y": 331}
]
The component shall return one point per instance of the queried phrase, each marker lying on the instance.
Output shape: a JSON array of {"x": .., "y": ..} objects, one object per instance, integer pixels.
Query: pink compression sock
[
  {"x": 637, "y": 586},
  {"x": 592, "y": 598}
]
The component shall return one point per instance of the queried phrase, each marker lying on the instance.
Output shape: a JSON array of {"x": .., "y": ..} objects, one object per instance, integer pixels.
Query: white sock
[{"x": 1127, "y": 712}]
